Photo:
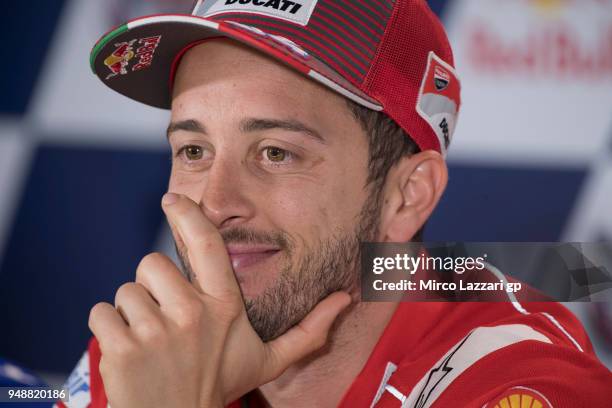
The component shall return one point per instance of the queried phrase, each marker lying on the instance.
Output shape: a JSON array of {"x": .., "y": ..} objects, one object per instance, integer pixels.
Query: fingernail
[{"x": 169, "y": 199}]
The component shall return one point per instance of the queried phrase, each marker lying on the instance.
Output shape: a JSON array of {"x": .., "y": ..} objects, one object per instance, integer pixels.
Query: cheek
[
  {"x": 188, "y": 184},
  {"x": 313, "y": 211},
  {"x": 343, "y": 205}
]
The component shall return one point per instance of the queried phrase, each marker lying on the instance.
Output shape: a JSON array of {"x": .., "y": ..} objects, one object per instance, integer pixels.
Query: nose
[{"x": 224, "y": 197}]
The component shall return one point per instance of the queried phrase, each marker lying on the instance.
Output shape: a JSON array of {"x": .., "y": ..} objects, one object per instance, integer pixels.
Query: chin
[{"x": 253, "y": 285}]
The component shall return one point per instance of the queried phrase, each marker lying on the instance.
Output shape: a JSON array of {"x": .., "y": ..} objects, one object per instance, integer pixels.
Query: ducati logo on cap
[
  {"x": 441, "y": 78},
  {"x": 439, "y": 99},
  {"x": 296, "y": 11}
]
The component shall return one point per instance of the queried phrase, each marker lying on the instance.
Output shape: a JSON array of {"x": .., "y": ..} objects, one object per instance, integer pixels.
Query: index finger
[{"x": 205, "y": 248}]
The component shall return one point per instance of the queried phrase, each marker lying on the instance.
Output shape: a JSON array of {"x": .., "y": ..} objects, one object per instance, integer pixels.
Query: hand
[{"x": 170, "y": 343}]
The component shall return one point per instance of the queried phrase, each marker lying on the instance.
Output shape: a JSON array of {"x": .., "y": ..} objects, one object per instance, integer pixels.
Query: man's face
[{"x": 279, "y": 165}]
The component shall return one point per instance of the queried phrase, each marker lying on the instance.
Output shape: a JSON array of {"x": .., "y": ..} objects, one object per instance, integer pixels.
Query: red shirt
[{"x": 454, "y": 355}]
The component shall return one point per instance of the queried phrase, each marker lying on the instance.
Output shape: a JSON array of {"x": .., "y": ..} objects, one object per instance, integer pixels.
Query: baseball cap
[{"x": 386, "y": 55}]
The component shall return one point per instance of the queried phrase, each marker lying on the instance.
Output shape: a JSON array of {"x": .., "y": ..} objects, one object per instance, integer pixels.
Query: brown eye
[
  {"x": 193, "y": 153},
  {"x": 275, "y": 154}
]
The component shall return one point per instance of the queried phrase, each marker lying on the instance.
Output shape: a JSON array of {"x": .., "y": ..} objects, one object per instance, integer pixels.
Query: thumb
[{"x": 306, "y": 337}]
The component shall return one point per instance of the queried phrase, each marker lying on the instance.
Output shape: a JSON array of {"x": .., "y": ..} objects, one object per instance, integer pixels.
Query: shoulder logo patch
[
  {"x": 520, "y": 397},
  {"x": 479, "y": 343}
]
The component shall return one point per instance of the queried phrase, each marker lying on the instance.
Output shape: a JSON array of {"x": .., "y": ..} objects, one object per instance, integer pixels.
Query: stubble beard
[{"x": 329, "y": 266}]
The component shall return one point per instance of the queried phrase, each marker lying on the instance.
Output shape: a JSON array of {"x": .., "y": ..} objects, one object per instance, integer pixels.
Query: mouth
[{"x": 245, "y": 256}]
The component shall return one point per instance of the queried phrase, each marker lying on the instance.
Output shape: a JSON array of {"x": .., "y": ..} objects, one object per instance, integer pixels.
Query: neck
[{"x": 322, "y": 379}]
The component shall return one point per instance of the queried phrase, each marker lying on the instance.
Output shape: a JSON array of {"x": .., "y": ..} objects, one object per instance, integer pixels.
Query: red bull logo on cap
[
  {"x": 146, "y": 52},
  {"x": 118, "y": 62}
]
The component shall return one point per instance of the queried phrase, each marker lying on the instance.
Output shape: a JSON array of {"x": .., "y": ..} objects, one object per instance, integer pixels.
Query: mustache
[
  {"x": 242, "y": 235},
  {"x": 239, "y": 235}
]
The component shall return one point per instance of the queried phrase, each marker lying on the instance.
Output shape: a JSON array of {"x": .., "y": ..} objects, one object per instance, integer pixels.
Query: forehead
[{"x": 224, "y": 69}]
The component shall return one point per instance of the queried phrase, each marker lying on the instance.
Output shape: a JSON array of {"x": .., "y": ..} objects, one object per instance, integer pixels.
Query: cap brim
[{"x": 142, "y": 70}]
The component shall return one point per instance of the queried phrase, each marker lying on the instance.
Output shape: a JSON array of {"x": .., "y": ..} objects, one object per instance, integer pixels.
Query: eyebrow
[
  {"x": 249, "y": 125},
  {"x": 189, "y": 125},
  {"x": 291, "y": 125}
]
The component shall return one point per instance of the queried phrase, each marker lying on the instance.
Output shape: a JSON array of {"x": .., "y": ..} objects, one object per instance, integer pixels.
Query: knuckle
[
  {"x": 121, "y": 352},
  {"x": 152, "y": 259},
  {"x": 148, "y": 264},
  {"x": 189, "y": 315},
  {"x": 125, "y": 350},
  {"x": 150, "y": 331},
  {"x": 95, "y": 311},
  {"x": 320, "y": 341},
  {"x": 125, "y": 290}
]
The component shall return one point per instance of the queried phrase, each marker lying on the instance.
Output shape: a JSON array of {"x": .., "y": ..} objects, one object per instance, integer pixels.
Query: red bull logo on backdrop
[
  {"x": 548, "y": 7},
  {"x": 555, "y": 45},
  {"x": 552, "y": 7},
  {"x": 118, "y": 62},
  {"x": 537, "y": 73}
]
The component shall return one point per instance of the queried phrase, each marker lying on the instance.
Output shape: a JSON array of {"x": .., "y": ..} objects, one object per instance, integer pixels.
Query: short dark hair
[{"x": 388, "y": 144}]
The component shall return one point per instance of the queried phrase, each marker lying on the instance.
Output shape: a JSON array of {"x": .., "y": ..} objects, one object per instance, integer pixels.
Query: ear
[{"x": 412, "y": 190}]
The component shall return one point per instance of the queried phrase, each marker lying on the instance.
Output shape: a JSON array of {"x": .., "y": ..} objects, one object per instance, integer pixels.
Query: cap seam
[{"x": 367, "y": 83}]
